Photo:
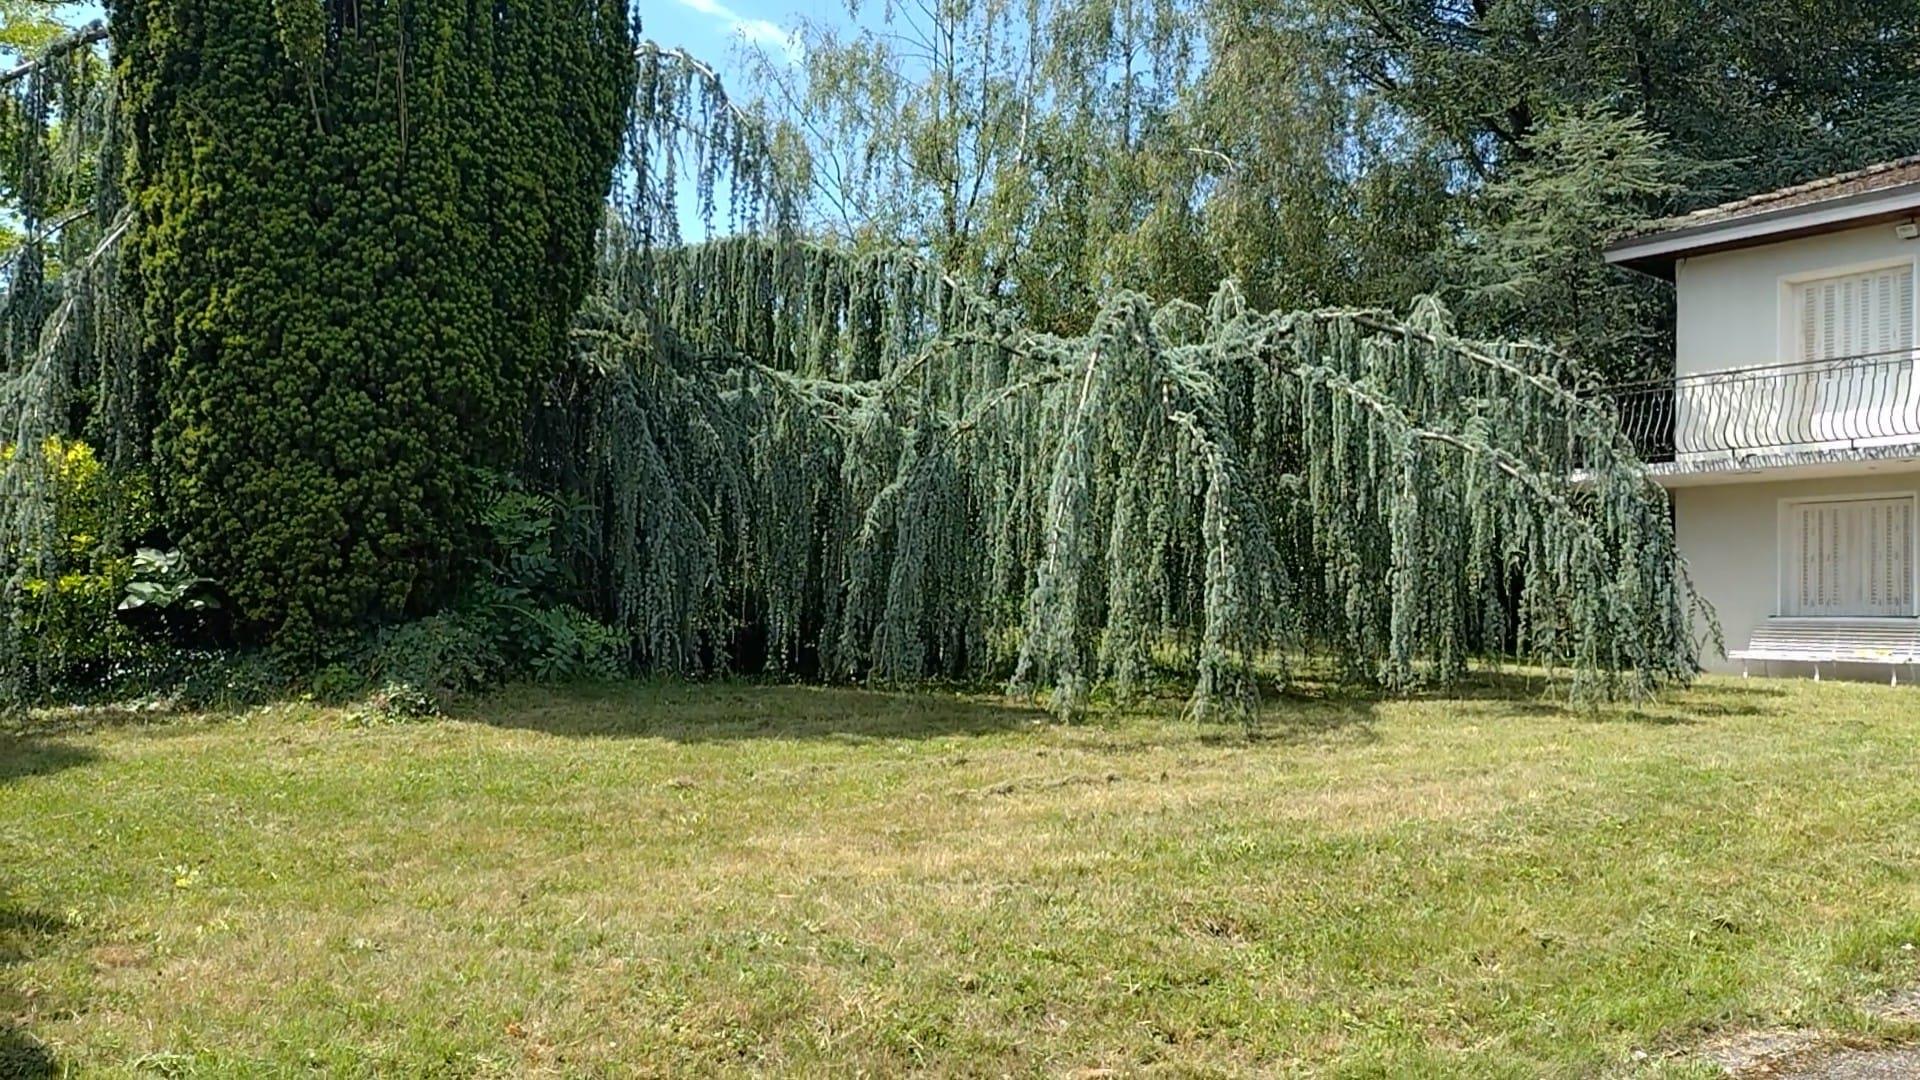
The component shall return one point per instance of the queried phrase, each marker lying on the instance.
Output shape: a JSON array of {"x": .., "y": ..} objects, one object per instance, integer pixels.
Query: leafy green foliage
[
  {"x": 514, "y": 619},
  {"x": 66, "y": 331},
  {"x": 445, "y": 655},
  {"x": 360, "y": 234},
  {"x": 1797, "y": 90},
  {"x": 399, "y": 703},
  {"x": 48, "y": 123},
  {"x": 29, "y": 26},
  {"x": 161, "y": 580},
  {"x": 1332, "y": 152},
  {"x": 1607, "y": 105},
  {"x": 67, "y": 634},
  {"x": 1024, "y": 147},
  {"x": 771, "y": 454},
  {"x": 522, "y": 596},
  {"x": 853, "y": 464}
]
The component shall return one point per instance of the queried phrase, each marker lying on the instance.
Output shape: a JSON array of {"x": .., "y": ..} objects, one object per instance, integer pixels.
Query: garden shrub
[
  {"x": 397, "y": 703},
  {"x": 165, "y": 598},
  {"x": 360, "y": 234},
  {"x": 67, "y": 635},
  {"x": 515, "y": 618},
  {"x": 441, "y": 655},
  {"x": 524, "y": 592}
]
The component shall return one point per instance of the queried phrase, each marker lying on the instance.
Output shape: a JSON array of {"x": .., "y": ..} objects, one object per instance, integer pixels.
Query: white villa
[{"x": 1789, "y": 434}]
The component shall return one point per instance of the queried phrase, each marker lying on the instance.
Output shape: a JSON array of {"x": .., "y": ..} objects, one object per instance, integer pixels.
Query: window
[
  {"x": 1849, "y": 557},
  {"x": 1855, "y": 331},
  {"x": 1861, "y": 314}
]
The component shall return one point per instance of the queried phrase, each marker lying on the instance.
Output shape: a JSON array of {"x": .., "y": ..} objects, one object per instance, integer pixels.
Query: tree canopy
[
  {"x": 1337, "y": 151},
  {"x": 1078, "y": 345},
  {"x": 358, "y": 236}
]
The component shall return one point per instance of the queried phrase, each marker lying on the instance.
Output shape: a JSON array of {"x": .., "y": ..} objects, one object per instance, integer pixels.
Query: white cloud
[{"x": 759, "y": 32}]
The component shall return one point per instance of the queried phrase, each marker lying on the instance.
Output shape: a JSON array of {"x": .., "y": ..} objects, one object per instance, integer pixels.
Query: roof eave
[{"x": 1655, "y": 254}]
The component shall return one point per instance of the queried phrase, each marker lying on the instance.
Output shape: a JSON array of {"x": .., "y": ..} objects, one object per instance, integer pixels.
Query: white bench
[{"x": 1894, "y": 642}]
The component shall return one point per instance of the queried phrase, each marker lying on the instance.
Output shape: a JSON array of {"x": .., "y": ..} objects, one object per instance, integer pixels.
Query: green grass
[{"x": 671, "y": 880}]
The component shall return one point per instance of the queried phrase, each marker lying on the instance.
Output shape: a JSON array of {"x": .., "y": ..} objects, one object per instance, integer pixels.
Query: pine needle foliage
[
  {"x": 67, "y": 334},
  {"x": 856, "y": 469}
]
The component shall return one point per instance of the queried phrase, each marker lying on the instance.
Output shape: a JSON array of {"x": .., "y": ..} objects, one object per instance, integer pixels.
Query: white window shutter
[
  {"x": 1852, "y": 557},
  {"x": 1857, "y": 314}
]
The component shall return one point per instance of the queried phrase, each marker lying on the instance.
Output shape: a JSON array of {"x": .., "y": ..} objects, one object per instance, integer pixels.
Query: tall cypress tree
[{"x": 361, "y": 230}]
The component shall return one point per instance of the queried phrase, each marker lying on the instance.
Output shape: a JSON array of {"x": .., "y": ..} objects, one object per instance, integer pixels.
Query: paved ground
[{"x": 1760, "y": 1053}]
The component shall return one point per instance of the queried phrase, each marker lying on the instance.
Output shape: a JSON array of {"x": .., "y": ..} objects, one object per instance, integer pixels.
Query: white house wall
[
  {"x": 1728, "y": 304},
  {"x": 1730, "y": 537}
]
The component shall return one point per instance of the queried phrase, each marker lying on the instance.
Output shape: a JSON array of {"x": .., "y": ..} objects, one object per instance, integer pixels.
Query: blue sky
[{"x": 713, "y": 30}]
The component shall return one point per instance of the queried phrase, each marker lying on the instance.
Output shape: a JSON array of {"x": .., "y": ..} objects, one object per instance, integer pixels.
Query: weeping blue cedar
[
  {"x": 1217, "y": 490},
  {"x": 68, "y": 336},
  {"x": 845, "y": 464}
]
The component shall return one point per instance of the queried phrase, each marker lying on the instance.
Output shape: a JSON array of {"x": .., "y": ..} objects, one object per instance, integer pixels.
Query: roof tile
[{"x": 1887, "y": 174}]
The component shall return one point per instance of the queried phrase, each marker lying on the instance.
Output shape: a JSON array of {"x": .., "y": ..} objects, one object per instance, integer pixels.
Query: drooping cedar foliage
[
  {"x": 65, "y": 328},
  {"x": 866, "y": 473},
  {"x": 68, "y": 340},
  {"x": 360, "y": 231},
  {"x": 846, "y": 464}
]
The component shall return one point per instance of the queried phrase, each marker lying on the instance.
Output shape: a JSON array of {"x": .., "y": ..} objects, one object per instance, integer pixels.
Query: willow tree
[
  {"x": 1032, "y": 148},
  {"x": 359, "y": 233},
  {"x": 30, "y": 26}
]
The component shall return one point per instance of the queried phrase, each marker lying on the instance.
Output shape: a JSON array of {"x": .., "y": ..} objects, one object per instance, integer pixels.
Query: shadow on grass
[
  {"x": 1302, "y": 721},
  {"x": 723, "y": 712},
  {"x": 22, "y": 756},
  {"x": 82, "y": 719},
  {"x": 1305, "y": 711},
  {"x": 1311, "y": 710},
  {"x": 22, "y": 932},
  {"x": 1545, "y": 695}
]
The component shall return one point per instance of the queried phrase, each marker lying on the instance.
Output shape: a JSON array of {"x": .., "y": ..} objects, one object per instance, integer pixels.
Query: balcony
[{"x": 1810, "y": 408}]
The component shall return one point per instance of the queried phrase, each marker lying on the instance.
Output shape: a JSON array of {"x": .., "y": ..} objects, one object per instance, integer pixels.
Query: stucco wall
[
  {"x": 1729, "y": 304},
  {"x": 1730, "y": 536}
]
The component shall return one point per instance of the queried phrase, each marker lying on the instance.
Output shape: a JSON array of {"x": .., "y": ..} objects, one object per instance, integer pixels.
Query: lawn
[{"x": 676, "y": 879}]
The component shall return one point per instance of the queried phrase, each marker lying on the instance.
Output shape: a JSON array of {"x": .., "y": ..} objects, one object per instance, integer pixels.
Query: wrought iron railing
[{"x": 1848, "y": 403}]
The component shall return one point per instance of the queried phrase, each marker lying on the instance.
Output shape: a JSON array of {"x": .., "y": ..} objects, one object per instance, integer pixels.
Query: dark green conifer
[{"x": 360, "y": 233}]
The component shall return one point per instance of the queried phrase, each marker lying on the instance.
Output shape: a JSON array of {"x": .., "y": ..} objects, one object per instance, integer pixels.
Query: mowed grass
[{"x": 676, "y": 880}]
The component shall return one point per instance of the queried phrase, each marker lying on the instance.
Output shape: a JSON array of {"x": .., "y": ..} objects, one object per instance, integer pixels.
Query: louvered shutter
[
  {"x": 1851, "y": 558},
  {"x": 1867, "y": 401},
  {"x": 1857, "y": 314}
]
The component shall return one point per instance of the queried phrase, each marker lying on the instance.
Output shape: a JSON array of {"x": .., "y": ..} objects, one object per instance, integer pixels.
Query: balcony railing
[{"x": 1850, "y": 403}]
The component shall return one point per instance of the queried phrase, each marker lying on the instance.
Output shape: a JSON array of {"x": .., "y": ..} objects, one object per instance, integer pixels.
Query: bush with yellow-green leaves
[{"x": 68, "y": 633}]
